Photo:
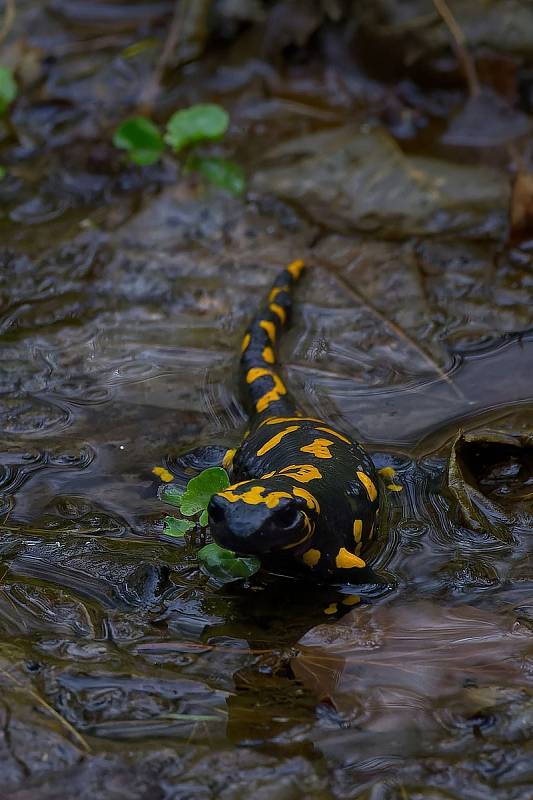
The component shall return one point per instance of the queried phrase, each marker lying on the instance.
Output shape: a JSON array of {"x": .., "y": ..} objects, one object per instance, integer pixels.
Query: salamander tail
[{"x": 262, "y": 384}]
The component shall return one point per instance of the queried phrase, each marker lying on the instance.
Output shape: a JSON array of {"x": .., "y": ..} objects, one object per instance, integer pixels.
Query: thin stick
[
  {"x": 9, "y": 19},
  {"x": 393, "y": 326},
  {"x": 151, "y": 91},
  {"x": 460, "y": 45}
]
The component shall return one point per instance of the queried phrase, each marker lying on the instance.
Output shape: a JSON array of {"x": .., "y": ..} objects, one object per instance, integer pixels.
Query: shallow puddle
[{"x": 123, "y": 296}]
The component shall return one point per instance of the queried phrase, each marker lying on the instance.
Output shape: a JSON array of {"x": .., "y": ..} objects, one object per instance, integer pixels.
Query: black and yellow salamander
[{"x": 306, "y": 497}]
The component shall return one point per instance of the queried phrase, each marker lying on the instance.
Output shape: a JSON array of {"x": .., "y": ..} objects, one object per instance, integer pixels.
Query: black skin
[{"x": 312, "y": 511}]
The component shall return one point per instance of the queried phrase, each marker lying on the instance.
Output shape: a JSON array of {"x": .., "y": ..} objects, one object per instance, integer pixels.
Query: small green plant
[
  {"x": 218, "y": 562},
  {"x": 219, "y": 172},
  {"x": 8, "y": 89},
  {"x": 186, "y": 128},
  {"x": 141, "y": 138},
  {"x": 225, "y": 565},
  {"x": 201, "y": 123}
]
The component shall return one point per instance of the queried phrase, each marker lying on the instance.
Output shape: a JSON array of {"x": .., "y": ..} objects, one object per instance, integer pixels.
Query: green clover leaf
[
  {"x": 200, "y": 490},
  {"x": 198, "y": 123},
  {"x": 141, "y": 138},
  {"x": 171, "y": 494},
  {"x": 177, "y": 527},
  {"x": 225, "y": 565}
]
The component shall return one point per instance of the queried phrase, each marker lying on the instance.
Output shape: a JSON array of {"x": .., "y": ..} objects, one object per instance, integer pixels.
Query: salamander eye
[{"x": 287, "y": 517}]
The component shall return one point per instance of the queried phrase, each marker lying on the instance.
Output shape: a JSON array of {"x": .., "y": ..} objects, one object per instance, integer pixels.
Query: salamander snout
[{"x": 257, "y": 528}]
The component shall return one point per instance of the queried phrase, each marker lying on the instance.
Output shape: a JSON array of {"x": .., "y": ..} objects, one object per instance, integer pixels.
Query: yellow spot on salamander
[
  {"x": 351, "y": 600},
  {"x": 257, "y": 372},
  {"x": 311, "y": 501},
  {"x": 275, "y": 291},
  {"x": 254, "y": 496},
  {"x": 273, "y": 394},
  {"x": 368, "y": 484},
  {"x": 334, "y": 433},
  {"x": 357, "y": 529},
  {"x": 227, "y": 461},
  {"x": 268, "y": 474},
  {"x": 277, "y": 420},
  {"x": 319, "y": 448},
  {"x": 347, "y": 560},
  {"x": 387, "y": 473},
  {"x": 245, "y": 342},
  {"x": 163, "y": 473},
  {"x": 303, "y": 473},
  {"x": 311, "y": 557},
  {"x": 268, "y": 355},
  {"x": 276, "y": 440},
  {"x": 269, "y": 328},
  {"x": 279, "y": 311},
  {"x": 331, "y": 609},
  {"x": 394, "y": 487},
  {"x": 295, "y": 268}
]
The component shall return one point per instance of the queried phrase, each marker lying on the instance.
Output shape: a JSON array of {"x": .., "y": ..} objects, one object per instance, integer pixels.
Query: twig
[
  {"x": 151, "y": 91},
  {"x": 460, "y": 45},
  {"x": 9, "y": 18},
  {"x": 41, "y": 701},
  {"x": 178, "y": 28}
]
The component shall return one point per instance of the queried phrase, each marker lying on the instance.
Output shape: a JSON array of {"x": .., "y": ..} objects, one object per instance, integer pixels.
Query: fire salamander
[{"x": 306, "y": 496}]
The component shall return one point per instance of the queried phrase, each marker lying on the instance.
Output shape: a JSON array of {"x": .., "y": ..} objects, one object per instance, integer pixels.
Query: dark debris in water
[{"x": 123, "y": 295}]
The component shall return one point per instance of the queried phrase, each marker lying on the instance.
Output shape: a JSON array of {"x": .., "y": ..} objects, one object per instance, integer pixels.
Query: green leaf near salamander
[
  {"x": 225, "y": 565},
  {"x": 169, "y": 493},
  {"x": 200, "y": 490},
  {"x": 216, "y": 561},
  {"x": 177, "y": 527}
]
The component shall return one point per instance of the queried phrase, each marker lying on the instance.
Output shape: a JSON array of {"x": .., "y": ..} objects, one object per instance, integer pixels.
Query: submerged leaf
[
  {"x": 225, "y": 564},
  {"x": 220, "y": 172},
  {"x": 196, "y": 124},
  {"x": 485, "y": 465},
  {"x": 141, "y": 138},
  {"x": 171, "y": 494},
  {"x": 201, "y": 489},
  {"x": 177, "y": 527}
]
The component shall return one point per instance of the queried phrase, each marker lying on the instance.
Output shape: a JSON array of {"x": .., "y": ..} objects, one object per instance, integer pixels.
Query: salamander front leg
[
  {"x": 205, "y": 457},
  {"x": 182, "y": 468}
]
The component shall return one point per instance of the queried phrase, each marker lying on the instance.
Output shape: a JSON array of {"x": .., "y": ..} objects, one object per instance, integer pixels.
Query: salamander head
[{"x": 262, "y": 516}]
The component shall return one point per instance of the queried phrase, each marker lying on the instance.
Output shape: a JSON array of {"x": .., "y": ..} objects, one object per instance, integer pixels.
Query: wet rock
[
  {"x": 486, "y": 120},
  {"x": 413, "y": 34},
  {"x": 353, "y": 179},
  {"x": 229, "y": 775}
]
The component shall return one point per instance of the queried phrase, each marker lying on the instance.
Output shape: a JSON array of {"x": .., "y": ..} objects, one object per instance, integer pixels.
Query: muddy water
[{"x": 125, "y": 671}]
